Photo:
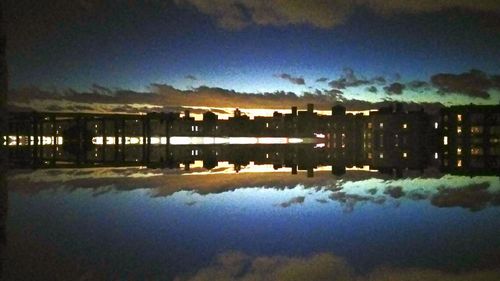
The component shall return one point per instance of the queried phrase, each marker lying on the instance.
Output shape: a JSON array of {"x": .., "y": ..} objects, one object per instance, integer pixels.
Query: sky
[{"x": 373, "y": 51}]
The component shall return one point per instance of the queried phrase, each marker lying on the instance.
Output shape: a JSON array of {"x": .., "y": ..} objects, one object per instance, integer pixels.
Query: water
[{"x": 153, "y": 224}]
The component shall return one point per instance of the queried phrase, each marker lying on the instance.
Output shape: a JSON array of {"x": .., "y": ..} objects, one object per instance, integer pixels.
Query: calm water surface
[{"x": 140, "y": 224}]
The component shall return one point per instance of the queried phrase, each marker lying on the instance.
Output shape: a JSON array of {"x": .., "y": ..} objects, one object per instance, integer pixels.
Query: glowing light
[
  {"x": 319, "y": 135},
  {"x": 445, "y": 140}
]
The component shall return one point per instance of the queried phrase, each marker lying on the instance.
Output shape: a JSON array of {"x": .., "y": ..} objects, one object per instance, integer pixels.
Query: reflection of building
[
  {"x": 390, "y": 140},
  {"x": 470, "y": 139}
]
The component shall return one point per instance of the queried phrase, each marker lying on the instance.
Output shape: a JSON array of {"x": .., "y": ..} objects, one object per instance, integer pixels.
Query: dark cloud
[
  {"x": 322, "y": 79},
  {"x": 372, "y": 89},
  {"x": 293, "y": 201},
  {"x": 237, "y": 266},
  {"x": 395, "y": 191},
  {"x": 191, "y": 77},
  {"x": 395, "y": 89},
  {"x": 474, "y": 83},
  {"x": 417, "y": 84},
  {"x": 236, "y": 14},
  {"x": 165, "y": 98},
  {"x": 380, "y": 80},
  {"x": 347, "y": 79},
  {"x": 293, "y": 80},
  {"x": 473, "y": 197}
]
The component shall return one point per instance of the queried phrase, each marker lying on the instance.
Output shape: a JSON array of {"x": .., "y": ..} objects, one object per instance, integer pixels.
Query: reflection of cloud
[
  {"x": 293, "y": 201},
  {"x": 473, "y": 197},
  {"x": 191, "y": 77},
  {"x": 321, "y": 80},
  {"x": 236, "y": 14},
  {"x": 236, "y": 266},
  {"x": 395, "y": 191}
]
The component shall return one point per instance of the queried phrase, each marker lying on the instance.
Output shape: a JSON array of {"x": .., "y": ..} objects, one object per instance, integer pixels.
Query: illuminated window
[
  {"x": 476, "y": 130},
  {"x": 267, "y": 156},
  {"x": 436, "y": 155},
  {"x": 459, "y": 117},
  {"x": 405, "y": 126},
  {"x": 476, "y": 151},
  {"x": 459, "y": 130},
  {"x": 381, "y": 125},
  {"x": 459, "y": 151},
  {"x": 405, "y": 154},
  {"x": 459, "y": 163},
  {"x": 267, "y": 125},
  {"x": 381, "y": 155},
  {"x": 369, "y": 155},
  {"x": 445, "y": 140},
  {"x": 369, "y": 125},
  {"x": 436, "y": 125}
]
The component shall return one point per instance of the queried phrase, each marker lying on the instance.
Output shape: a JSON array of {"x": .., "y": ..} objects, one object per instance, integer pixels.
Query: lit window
[
  {"x": 405, "y": 126},
  {"x": 476, "y": 130},
  {"x": 459, "y": 151},
  {"x": 436, "y": 125},
  {"x": 459, "y": 117},
  {"x": 369, "y": 125},
  {"x": 445, "y": 140},
  {"x": 459, "y": 130},
  {"x": 381, "y": 155},
  {"x": 267, "y": 156},
  {"x": 369, "y": 155},
  {"x": 267, "y": 125},
  {"x": 459, "y": 163},
  {"x": 381, "y": 125},
  {"x": 436, "y": 155},
  {"x": 405, "y": 154}
]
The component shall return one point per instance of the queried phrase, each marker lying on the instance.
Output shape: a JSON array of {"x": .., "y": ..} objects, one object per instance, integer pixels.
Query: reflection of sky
[{"x": 132, "y": 232}]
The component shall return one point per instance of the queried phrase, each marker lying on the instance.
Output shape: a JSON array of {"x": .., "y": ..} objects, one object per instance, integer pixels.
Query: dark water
[{"x": 258, "y": 224}]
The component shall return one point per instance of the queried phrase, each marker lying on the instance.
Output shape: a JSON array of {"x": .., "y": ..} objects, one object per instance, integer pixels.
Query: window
[
  {"x": 476, "y": 130},
  {"x": 381, "y": 155},
  {"x": 405, "y": 126},
  {"x": 459, "y": 151},
  {"x": 436, "y": 125},
  {"x": 436, "y": 155},
  {"x": 445, "y": 140},
  {"x": 405, "y": 154},
  {"x": 459, "y": 130},
  {"x": 459, "y": 163},
  {"x": 381, "y": 125},
  {"x": 267, "y": 125},
  {"x": 369, "y": 125},
  {"x": 459, "y": 117}
]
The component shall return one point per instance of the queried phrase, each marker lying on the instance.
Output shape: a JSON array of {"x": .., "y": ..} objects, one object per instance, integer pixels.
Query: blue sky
[{"x": 130, "y": 46}]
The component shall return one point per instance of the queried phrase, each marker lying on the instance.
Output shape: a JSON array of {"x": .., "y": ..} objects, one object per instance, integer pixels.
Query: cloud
[
  {"x": 321, "y": 80},
  {"x": 372, "y": 89},
  {"x": 191, "y": 77},
  {"x": 474, "y": 83},
  {"x": 293, "y": 201},
  {"x": 395, "y": 89},
  {"x": 293, "y": 80},
  {"x": 473, "y": 197},
  {"x": 237, "y": 14},
  {"x": 347, "y": 79},
  {"x": 237, "y": 266},
  {"x": 395, "y": 191}
]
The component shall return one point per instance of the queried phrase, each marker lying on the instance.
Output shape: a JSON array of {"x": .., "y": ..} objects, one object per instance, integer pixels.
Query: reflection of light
[
  {"x": 319, "y": 145},
  {"x": 26, "y": 140},
  {"x": 445, "y": 140},
  {"x": 199, "y": 140},
  {"x": 318, "y": 135},
  {"x": 224, "y": 167},
  {"x": 436, "y": 155}
]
